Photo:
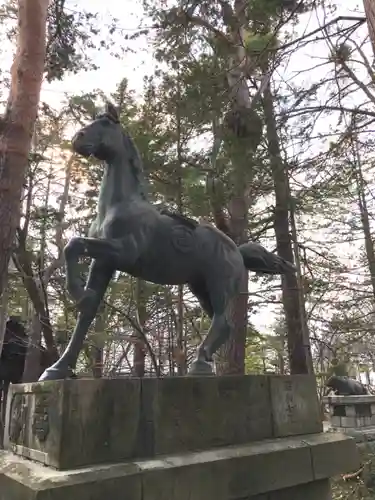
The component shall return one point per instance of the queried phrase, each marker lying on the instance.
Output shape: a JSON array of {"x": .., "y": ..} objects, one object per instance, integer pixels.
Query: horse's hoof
[
  {"x": 200, "y": 367},
  {"x": 56, "y": 374},
  {"x": 85, "y": 300}
]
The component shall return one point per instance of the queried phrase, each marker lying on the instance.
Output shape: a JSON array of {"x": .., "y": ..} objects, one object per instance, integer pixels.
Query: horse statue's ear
[{"x": 111, "y": 111}]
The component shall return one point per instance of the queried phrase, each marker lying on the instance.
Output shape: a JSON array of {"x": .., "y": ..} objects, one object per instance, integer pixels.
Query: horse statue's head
[{"x": 102, "y": 138}]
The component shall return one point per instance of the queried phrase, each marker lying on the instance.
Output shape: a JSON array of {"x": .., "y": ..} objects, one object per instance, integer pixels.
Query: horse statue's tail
[{"x": 256, "y": 258}]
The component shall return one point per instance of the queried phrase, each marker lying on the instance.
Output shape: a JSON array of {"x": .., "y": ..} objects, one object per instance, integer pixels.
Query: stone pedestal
[
  {"x": 209, "y": 438},
  {"x": 353, "y": 415}
]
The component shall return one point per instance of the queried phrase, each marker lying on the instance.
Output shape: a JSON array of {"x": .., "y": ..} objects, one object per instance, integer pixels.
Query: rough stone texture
[
  {"x": 354, "y": 415},
  {"x": 324, "y": 462},
  {"x": 348, "y": 422},
  {"x": 208, "y": 438},
  {"x": 101, "y": 421},
  {"x": 257, "y": 497},
  {"x": 349, "y": 411},
  {"x": 12, "y": 489},
  {"x": 318, "y": 490},
  {"x": 343, "y": 400},
  {"x": 22, "y": 479},
  {"x": 295, "y": 405},
  {"x": 83, "y": 422},
  {"x": 181, "y": 414},
  {"x": 267, "y": 470},
  {"x": 336, "y": 421},
  {"x": 231, "y": 474},
  {"x": 365, "y": 435}
]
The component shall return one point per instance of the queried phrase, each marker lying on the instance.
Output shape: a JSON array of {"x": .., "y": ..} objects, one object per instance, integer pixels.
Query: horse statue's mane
[
  {"x": 133, "y": 154},
  {"x": 136, "y": 165}
]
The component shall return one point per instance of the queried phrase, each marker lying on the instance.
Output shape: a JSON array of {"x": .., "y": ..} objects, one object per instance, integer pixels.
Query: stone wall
[
  {"x": 353, "y": 415},
  {"x": 188, "y": 438}
]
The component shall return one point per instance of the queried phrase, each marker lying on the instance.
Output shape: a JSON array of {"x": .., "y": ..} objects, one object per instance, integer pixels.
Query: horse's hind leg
[
  {"x": 218, "y": 334},
  {"x": 200, "y": 365},
  {"x": 97, "y": 282},
  {"x": 220, "y": 328},
  {"x": 199, "y": 289}
]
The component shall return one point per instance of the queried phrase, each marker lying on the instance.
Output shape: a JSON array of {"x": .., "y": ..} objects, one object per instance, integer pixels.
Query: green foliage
[
  {"x": 339, "y": 368},
  {"x": 360, "y": 486},
  {"x": 172, "y": 125},
  {"x": 257, "y": 45},
  {"x": 68, "y": 30}
]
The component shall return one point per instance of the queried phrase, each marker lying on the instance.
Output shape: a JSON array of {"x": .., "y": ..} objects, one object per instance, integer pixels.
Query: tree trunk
[
  {"x": 32, "y": 369},
  {"x": 16, "y": 126},
  {"x": 299, "y": 350},
  {"x": 297, "y": 263},
  {"x": 231, "y": 357},
  {"x": 3, "y": 316},
  {"x": 21, "y": 259},
  {"x": 370, "y": 17},
  {"x": 180, "y": 351},
  {"x": 139, "y": 346},
  {"x": 96, "y": 349},
  {"x": 180, "y": 340},
  {"x": 365, "y": 218}
]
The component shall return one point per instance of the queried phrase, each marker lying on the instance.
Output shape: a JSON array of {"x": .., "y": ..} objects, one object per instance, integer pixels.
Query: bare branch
[
  {"x": 359, "y": 22},
  {"x": 58, "y": 262},
  {"x": 319, "y": 109}
]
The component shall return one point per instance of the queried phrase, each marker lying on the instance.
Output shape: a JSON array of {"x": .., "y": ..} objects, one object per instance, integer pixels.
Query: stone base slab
[
  {"x": 278, "y": 469},
  {"x": 349, "y": 400},
  {"x": 352, "y": 422},
  {"x": 75, "y": 423},
  {"x": 359, "y": 435},
  {"x": 353, "y": 415}
]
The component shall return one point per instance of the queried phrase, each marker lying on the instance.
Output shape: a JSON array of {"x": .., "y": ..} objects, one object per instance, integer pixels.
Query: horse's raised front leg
[
  {"x": 99, "y": 277},
  {"x": 109, "y": 252}
]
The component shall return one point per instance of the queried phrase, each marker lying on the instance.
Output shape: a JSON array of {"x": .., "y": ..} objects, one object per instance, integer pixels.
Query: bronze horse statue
[{"x": 131, "y": 235}]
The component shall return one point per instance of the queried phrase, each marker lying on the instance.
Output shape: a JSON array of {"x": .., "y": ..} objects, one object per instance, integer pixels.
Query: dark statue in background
[
  {"x": 129, "y": 234},
  {"x": 345, "y": 386},
  {"x": 13, "y": 360},
  {"x": 14, "y": 351}
]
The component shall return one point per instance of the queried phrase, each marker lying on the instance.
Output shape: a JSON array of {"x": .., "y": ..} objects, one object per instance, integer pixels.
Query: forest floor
[{"x": 360, "y": 485}]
